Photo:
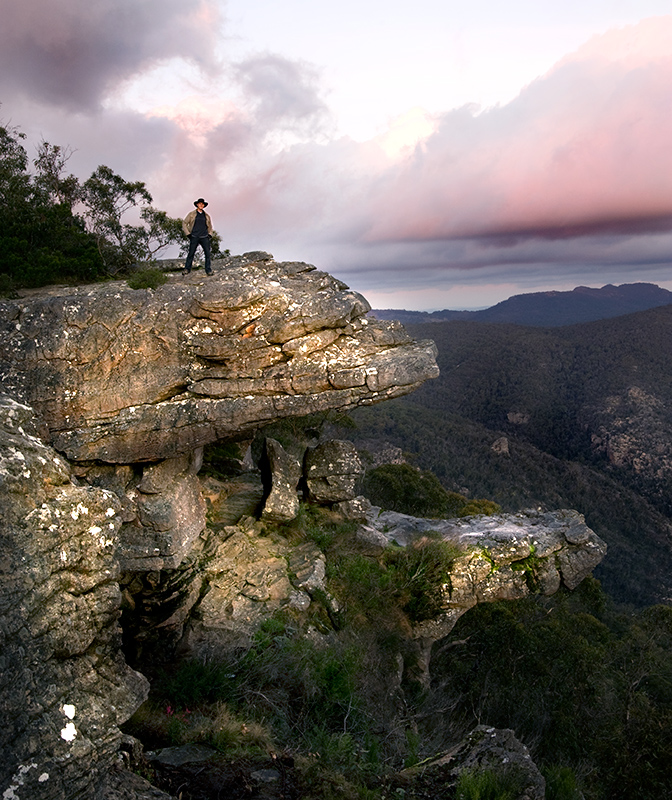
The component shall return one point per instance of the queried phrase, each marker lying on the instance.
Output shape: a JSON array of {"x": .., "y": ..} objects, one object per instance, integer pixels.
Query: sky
[{"x": 432, "y": 154}]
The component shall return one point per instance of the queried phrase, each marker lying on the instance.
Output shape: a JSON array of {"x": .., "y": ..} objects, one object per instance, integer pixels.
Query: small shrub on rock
[
  {"x": 150, "y": 278},
  {"x": 421, "y": 570}
]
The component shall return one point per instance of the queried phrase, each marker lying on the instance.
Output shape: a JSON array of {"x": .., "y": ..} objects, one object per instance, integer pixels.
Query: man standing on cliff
[{"x": 197, "y": 225}]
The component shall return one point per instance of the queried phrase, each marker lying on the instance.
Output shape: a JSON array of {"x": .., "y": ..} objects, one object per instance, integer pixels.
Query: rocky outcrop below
[
  {"x": 485, "y": 749},
  {"x": 124, "y": 376},
  {"x": 505, "y": 557},
  {"x": 240, "y": 575}
]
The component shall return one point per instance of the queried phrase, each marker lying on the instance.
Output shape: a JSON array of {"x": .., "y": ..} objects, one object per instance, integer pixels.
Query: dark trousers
[{"x": 194, "y": 241}]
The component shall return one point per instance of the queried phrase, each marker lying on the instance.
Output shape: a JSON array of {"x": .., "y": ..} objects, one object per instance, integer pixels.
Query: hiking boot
[
  {"x": 186, "y": 271},
  {"x": 209, "y": 272}
]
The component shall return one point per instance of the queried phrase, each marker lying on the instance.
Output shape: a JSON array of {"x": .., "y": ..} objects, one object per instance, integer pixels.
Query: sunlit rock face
[
  {"x": 64, "y": 685},
  {"x": 505, "y": 556},
  {"x": 123, "y": 376}
]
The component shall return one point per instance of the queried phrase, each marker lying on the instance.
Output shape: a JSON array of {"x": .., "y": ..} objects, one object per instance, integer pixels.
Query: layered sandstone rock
[
  {"x": 64, "y": 684},
  {"x": 131, "y": 384},
  {"x": 123, "y": 376}
]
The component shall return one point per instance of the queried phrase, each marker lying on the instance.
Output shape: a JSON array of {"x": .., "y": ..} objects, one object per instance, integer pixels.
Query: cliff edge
[{"x": 121, "y": 375}]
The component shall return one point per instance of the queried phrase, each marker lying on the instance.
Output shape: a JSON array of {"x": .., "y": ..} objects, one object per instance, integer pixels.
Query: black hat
[{"x": 200, "y": 200}]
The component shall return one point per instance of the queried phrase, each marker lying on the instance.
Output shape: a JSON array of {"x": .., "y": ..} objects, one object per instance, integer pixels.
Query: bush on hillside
[
  {"x": 150, "y": 278},
  {"x": 403, "y": 488}
]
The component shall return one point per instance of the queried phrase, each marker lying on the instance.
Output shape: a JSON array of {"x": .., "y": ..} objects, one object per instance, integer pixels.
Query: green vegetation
[
  {"x": 213, "y": 724},
  {"x": 314, "y": 685},
  {"x": 588, "y": 687},
  {"x": 403, "y": 488},
  {"x": 286, "y": 690},
  {"x": 56, "y": 229},
  {"x": 420, "y": 572},
  {"x": 487, "y": 785},
  {"x": 317, "y": 685},
  {"x": 561, "y": 784},
  {"x": 150, "y": 278},
  {"x": 42, "y": 240}
]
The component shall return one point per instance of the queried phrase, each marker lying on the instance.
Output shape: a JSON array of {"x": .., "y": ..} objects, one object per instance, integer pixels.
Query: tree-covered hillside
[{"x": 579, "y": 417}]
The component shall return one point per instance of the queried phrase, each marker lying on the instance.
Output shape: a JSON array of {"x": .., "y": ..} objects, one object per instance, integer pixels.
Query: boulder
[
  {"x": 331, "y": 470},
  {"x": 358, "y": 509},
  {"x": 247, "y": 580},
  {"x": 497, "y": 751},
  {"x": 121, "y": 784}
]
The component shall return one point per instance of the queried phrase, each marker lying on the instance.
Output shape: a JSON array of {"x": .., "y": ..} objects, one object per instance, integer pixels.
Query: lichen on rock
[{"x": 64, "y": 685}]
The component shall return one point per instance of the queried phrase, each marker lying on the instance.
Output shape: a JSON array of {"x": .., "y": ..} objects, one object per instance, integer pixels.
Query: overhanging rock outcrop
[{"x": 123, "y": 376}]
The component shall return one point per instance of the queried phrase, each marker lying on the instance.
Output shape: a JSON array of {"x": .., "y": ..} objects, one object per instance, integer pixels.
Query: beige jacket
[{"x": 188, "y": 222}]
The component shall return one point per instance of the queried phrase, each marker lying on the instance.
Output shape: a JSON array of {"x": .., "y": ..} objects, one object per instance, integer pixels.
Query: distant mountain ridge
[{"x": 550, "y": 309}]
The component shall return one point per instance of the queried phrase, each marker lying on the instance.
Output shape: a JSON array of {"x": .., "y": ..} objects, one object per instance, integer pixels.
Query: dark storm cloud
[{"x": 70, "y": 52}]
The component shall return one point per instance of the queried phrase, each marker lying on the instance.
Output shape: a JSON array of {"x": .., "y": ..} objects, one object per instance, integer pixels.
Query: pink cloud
[
  {"x": 576, "y": 171},
  {"x": 582, "y": 149}
]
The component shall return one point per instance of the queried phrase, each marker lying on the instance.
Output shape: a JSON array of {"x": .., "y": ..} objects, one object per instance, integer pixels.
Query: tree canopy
[{"x": 55, "y": 229}]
